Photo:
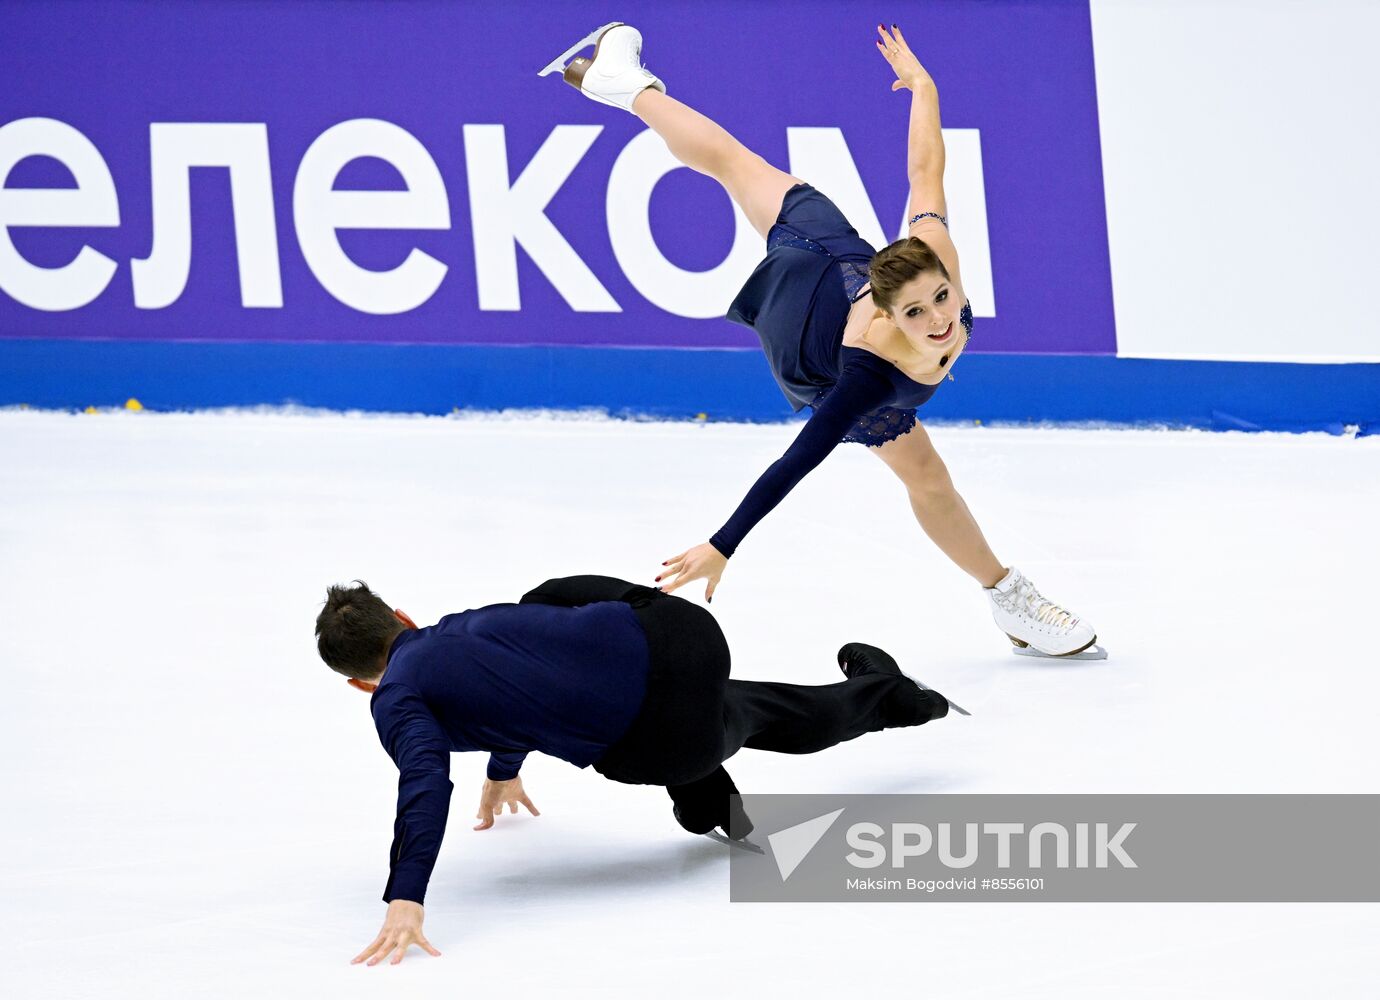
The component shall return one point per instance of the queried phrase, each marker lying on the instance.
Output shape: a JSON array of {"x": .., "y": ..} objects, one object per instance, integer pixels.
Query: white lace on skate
[
  {"x": 1031, "y": 619},
  {"x": 1023, "y": 598}
]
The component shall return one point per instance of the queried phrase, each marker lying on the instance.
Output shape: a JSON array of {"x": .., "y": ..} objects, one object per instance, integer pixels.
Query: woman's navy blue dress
[{"x": 797, "y": 300}]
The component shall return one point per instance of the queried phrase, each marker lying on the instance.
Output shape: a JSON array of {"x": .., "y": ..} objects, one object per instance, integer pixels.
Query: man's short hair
[{"x": 354, "y": 631}]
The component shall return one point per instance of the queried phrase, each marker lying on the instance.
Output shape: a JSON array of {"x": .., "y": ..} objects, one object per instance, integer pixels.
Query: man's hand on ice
[
  {"x": 402, "y": 928},
  {"x": 496, "y": 795}
]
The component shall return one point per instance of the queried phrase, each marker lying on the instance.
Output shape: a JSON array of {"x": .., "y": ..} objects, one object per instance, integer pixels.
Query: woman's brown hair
[{"x": 893, "y": 266}]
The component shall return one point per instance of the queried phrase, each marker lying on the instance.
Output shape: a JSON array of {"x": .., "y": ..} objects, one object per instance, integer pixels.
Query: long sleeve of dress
[
  {"x": 418, "y": 745},
  {"x": 861, "y": 387}
]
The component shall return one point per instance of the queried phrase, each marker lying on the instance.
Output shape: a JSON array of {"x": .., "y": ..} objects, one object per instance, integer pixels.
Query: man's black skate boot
[
  {"x": 912, "y": 704},
  {"x": 705, "y": 803}
]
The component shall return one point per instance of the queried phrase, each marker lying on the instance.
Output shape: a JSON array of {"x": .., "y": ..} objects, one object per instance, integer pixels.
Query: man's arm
[
  {"x": 402, "y": 928},
  {"x": 418, "y": 745},
  {"x": 505, "y": 766}
]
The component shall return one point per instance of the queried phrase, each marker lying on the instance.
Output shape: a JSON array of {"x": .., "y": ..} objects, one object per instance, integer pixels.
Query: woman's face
[{"x": 926, "y": 310}]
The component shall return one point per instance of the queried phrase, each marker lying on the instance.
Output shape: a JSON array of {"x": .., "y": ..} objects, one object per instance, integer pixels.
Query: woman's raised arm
[{"x": 928, "y": 211}]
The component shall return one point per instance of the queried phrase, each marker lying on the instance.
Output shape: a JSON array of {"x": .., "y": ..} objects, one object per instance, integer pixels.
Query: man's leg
[
  {"x": 705, "y": 803},
  {"x": 694, "y": 717},
  {"x": 795, "y": 718},
  {"x": 801, "y": 718},
  {"x": 677, "y": 736}
]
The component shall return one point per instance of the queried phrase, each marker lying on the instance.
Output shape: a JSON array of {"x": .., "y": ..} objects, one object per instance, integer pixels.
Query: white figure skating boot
[
  {"x": 614, "y": 74},
  {"x": 1036, "y": 625}
]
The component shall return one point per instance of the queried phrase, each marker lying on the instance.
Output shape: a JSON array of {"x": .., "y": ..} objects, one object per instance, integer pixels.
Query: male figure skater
[{"x": 596, "y": 671}]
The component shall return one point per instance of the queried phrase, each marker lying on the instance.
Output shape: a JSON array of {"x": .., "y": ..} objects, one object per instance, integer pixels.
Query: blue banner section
[
  {"x": 383, "y": 207},
  {"x": 720, "y": 384},
  {"x": 309, "y": 170}
]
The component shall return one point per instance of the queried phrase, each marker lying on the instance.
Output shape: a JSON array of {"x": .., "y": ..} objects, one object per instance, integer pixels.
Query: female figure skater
[{"x": 862, "y": 336}]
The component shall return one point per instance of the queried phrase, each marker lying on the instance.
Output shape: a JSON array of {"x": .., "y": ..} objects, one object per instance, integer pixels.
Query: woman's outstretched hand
[
  {"x": 701, "y": 562},
  {"x": 909, "y": 73}
]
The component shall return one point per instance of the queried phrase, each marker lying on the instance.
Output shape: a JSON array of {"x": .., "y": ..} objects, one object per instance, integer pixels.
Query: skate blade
[
  {"x": 558, "y": 64},
  {"x": 1093, "y": 652},
  {"x": 952, "y": 704},
  {"x": 738, "y": 845}
]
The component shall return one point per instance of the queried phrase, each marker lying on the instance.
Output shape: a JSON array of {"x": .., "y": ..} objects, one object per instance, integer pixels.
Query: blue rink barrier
[{"x": 673, "y": 383}]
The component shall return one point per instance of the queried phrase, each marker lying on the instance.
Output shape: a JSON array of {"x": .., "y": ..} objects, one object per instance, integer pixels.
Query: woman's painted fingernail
[
  {"x": 657, "y": 580},
  {"x": 893, "y": 27}
]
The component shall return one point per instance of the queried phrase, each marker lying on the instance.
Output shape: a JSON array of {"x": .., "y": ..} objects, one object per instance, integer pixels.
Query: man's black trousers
[{"x": 694, "y": 717}]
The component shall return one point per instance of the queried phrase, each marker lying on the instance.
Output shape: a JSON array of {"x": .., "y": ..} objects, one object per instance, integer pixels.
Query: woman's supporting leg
[
  {"x": 938, "y": 507},
  {"x": 704, "y": 145}
]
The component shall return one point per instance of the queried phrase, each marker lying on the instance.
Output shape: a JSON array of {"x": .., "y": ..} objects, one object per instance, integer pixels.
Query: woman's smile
[{"x": 943, "y": 335}]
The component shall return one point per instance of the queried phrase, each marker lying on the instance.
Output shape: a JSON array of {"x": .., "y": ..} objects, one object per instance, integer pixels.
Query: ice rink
[{"x": 194, "y": 805}]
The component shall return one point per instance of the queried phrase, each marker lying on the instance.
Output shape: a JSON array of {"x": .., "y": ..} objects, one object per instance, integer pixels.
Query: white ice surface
[{"x": 193, "y": 805}]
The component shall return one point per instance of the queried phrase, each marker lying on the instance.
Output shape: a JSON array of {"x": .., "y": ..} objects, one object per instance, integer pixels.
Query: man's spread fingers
[
  {"x": 373, "y": 947},
  {"x": 381, "y": 954}
]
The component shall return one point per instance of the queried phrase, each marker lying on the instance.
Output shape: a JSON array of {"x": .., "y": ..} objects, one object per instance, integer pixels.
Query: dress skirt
[{"x": 795, "y": 299}]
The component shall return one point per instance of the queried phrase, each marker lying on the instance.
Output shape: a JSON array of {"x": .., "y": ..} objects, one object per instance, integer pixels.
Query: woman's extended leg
[
  {"x": 938, "y": 507},
  {"x": 1018, "y": 608},
  {"x": 704, "y": 145}
]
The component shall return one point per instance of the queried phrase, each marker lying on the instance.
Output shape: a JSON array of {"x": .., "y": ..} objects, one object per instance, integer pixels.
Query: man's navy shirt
[{"x": 509, "y": 679}]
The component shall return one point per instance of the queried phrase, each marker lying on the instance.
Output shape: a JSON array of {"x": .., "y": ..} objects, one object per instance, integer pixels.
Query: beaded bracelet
[{"x": 929, "y": 215}]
